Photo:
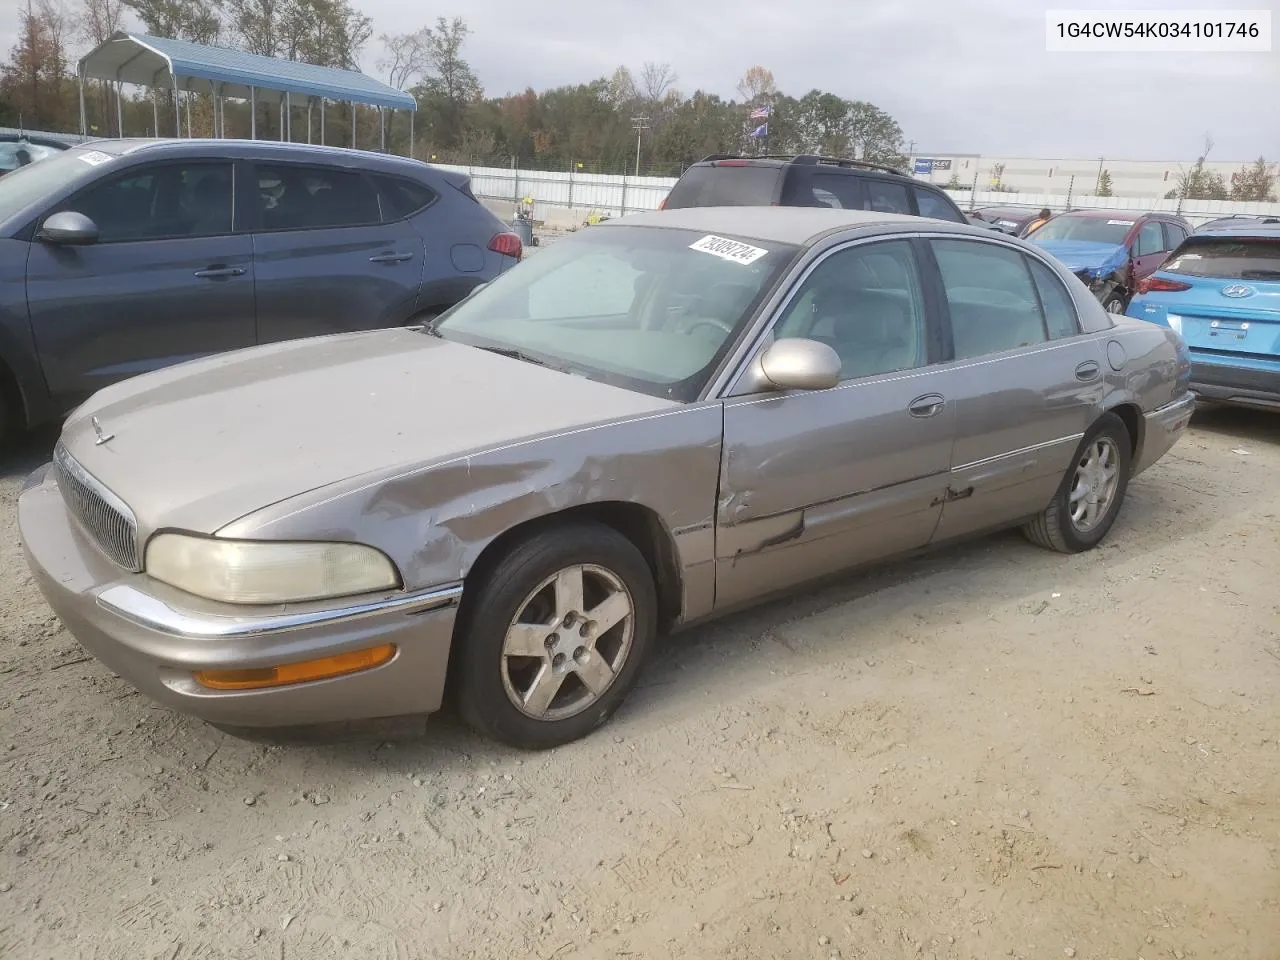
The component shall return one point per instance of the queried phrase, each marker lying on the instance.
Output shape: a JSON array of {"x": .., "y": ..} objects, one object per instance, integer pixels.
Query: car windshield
[
  {"x": 647, "y": 308},
  {"x": 1088, "y": 229},
  {"x": 28, "y": 184},
  {"x": 1222, "y": 258},
  {"x": 11, "y": 151}
]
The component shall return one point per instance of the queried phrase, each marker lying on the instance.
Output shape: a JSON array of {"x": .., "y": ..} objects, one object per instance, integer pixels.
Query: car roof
[
  {"x": 183, "y": 147},
  {"x": 1244, "y": 228},
  {"x": 1134, "y": 215},
  {"x": 793, "y": 225}
]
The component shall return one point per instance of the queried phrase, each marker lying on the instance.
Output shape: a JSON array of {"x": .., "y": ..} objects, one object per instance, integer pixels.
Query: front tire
[
  {"x": 1089, "y": 498},
  {"x": 555, "y": 637}
]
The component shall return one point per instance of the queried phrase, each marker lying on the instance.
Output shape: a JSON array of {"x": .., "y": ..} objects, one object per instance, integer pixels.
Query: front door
[
  {"x": 1026, "y": 383},
  {"x": 167, "y": 280},
  {"x": 1149, "y": 250},
  {"x": 816, "y": 481},
  {"x": 324, "y": 259}
]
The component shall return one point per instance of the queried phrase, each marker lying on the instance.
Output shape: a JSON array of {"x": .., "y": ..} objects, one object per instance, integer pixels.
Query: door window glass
[
  {"x": 990, "y": 296},
  {"x": 1150, "y": 239},
  {"x": 294, "y": 197},
  {"x": 164, "y": 202},
  {"x": 931, "y": 205},
  {"x": 1059, "y": 309},
  {"x": 866, "y": 303},
  {"x": 887, "y": 197}
]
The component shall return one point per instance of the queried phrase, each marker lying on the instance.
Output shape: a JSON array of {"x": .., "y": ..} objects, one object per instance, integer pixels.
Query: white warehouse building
[{"x": 1129, "y": 178}]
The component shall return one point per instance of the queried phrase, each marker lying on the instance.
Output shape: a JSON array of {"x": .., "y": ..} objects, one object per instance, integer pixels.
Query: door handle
[
  {"x": 1087, "y": 371},
  {"x": 218, "y": 273},
  {"x": 927, "y": 406},
  {"x": 391, "y": 258}
]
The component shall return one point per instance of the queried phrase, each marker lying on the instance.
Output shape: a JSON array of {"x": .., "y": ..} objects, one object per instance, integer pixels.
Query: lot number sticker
[
  {"x": 727, "y": 249},
  {"x": 95, "y": 157},
  {"x": 1119, "y": 223}
]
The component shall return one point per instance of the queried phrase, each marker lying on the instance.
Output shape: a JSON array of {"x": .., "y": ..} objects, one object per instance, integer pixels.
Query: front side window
[
  {"x": 1150, "y": 239},
  {"x": 651, "y": 309},
  {"x": 866, "y": 303},
  {"x": 1173, "y": 235},
  {"x": 991, "y": 298},
  {"x": 169, "y": 201},
  {"x": 931, "y": 205},
  {"x": 887, "y": 197},
  {"x": 293, "y": 197}
]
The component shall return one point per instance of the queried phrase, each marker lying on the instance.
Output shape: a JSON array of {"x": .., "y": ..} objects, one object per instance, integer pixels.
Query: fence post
[
  {"x": 1071, "y": 186},
  {"x": 624, "y": 196},
  {"x": 515, "y": 170},
  {"x": 570, "y": 184}
]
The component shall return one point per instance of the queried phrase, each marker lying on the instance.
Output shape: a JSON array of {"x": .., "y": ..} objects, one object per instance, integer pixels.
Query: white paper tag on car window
[
  {"x": 1120, "y": 223},
  {"x": 95, "y": 157},
  {"x": 726, "y": 249}
]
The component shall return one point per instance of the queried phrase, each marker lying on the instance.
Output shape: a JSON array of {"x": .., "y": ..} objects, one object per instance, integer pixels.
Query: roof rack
[{"x": 809, "y": 159}]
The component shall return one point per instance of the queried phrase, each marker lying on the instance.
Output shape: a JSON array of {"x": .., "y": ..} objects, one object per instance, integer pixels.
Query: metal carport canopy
[{"x": 178, "y": 64}]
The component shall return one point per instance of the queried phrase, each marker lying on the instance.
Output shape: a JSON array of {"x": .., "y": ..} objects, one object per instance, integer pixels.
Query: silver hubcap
[
  {"x": 567, "y": 643},
  {"x": 1115, "y": 306},
  {"x": 1093, "y": 489}
]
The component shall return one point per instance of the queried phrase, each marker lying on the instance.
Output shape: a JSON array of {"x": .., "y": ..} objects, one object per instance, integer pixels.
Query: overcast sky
[{"x": 967, "y": 76}]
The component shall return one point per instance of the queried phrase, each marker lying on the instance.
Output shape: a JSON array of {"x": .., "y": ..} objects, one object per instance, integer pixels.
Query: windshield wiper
[{"x": 514, "y": 354}]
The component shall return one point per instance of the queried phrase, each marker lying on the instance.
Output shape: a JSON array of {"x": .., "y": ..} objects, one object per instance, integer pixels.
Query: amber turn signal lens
[{"x": 290, "y": 673}]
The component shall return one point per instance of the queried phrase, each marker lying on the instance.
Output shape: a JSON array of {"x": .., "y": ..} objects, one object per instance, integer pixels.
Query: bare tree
[
  {"x": 757, "y": 84},
  {"x": 99, "y": 19},
  {"x": 406, "y": 58},
  {"x": 622, "y": 89},
  {"x": 655, "y": 80}
]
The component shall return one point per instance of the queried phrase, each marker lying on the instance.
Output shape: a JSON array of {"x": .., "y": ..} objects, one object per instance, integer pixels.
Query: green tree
[
  {"x": 34, "y": 82},
  {"x": 1256, "y": 182},
  {"x": 1104, "y": 184},
  {"x": 196, "y": 20},
  {"x": 450, "y": 86}
]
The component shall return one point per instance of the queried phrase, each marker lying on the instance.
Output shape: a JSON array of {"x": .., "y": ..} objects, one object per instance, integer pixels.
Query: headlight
[{"x": 241, "y": 571}]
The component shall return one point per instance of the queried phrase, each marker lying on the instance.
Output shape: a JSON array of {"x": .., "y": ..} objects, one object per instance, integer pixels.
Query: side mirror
[
  {"x": 796, "y": 364},
  {"x": 68, "y": 228}
]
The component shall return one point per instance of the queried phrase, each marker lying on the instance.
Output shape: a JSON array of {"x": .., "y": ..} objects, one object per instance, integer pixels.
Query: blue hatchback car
[{"x": 1220, "y": 290}]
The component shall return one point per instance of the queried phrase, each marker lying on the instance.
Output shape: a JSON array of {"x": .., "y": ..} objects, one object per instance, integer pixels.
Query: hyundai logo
[{"x": 1237, "y": 290}]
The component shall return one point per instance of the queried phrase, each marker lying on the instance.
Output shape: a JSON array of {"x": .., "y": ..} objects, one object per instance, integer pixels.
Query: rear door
[
  {"x": 326, "y": 258},
  {"x": 1026, "y": 382},
  {"x": 168, "y": 280},
  {"x": 1150, "y": 247}
]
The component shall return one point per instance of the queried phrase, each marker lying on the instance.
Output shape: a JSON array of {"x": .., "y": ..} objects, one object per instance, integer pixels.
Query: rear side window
[
  {"x": 315, "y": 198},
  {"x": 887, "y": 197},
  {"x": 828, "y": 189},
  {"x": 1173, "y": 235},
  {"x": 402, "y": 198},
  {"x": 1059, "y": 310},
  {"x": 1223, "y": 258},
  {"x": 932, "y": 205},
  {"x": 990, "y": 296},
  {"x": 751, "y": 185}
]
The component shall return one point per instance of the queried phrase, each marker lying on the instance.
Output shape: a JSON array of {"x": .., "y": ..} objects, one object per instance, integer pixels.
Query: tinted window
[
  {"x": 1173, "y": 235},
  {"x": 751, "y": 185},
  {"x": 402, "y": 198},
  {"x": 162, "y": 202},
  {"x": 991, "y": 297},
  {"x": 1059, "y": 310},
  {"x": 650, "y": 310},
  {"x": 866, "y": 303},
  {"x": 887, "y": 197},
  {"x": 833, "y": 189},
  {"x": 1227, "y": 258},
  {"x": 313, "y": 198},
  {"x": 1150, "y": 239},
  {"x": 932, "y": 205},
  {"x": 1091, "y": 229}
]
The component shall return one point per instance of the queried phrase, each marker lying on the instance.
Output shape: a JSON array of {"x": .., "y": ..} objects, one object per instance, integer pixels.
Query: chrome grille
[{"x": 102, "y": 515}]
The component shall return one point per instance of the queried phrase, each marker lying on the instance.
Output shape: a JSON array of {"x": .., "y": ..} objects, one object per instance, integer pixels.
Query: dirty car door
[{"x": 815, "y": 481}]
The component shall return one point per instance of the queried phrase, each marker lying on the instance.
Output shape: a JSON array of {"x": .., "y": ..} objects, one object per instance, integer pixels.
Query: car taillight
[
  {"x": 1161, "y": 285},
  {"x": 507, "y": 244}
]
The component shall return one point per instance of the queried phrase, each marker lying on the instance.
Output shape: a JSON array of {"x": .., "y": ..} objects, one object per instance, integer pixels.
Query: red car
[{"x": 1111, "y": 250}]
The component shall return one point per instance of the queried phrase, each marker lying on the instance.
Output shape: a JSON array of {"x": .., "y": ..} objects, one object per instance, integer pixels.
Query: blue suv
[{"x": 1220, "y": 289}]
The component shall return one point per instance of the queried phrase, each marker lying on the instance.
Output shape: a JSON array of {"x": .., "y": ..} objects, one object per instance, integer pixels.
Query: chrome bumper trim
[
  {"x": 144, "y": 610},
  {"x": 1173, "y": 407}
]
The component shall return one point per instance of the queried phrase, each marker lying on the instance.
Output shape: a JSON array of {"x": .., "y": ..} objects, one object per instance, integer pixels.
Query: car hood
[
  {"x": 199, "y": 445},
  {"x": 1090, "y": 255}
]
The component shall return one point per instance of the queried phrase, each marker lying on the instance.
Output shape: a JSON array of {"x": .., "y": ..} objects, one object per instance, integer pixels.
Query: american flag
[{"x": 759, "y": 113}]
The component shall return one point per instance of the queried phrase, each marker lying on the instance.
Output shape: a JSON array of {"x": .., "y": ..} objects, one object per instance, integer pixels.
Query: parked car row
[{"x": 123, "y": 256}]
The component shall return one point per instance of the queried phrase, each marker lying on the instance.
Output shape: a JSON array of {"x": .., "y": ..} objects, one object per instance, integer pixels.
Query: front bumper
[
  {"x": 156, "y": 638},
  {"x": 1256, "y": 385},
  {"x": 1164, "y": 427}
]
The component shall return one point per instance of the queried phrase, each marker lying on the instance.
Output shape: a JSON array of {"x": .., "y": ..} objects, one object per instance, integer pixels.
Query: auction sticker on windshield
[
  {"x": 1120, "y": 223},
  {"x": 727, "y": 249},
  {"x": 95, "y": 157}
]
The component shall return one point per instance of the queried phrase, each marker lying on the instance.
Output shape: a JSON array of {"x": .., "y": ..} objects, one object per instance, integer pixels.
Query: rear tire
[
  {"x": 554, "y": 636},
  {"x": 1090, "y": 495},
  {"x": 1115, "y": 303}
]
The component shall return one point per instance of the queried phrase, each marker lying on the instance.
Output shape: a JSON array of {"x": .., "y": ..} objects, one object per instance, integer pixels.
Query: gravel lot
[{"x": 988, "y": 752}]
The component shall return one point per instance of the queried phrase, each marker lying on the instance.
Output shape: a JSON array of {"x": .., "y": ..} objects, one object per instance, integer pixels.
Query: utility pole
[
  {"x": 1097, "y": 184},
  {"x": 639, "y": 124}
]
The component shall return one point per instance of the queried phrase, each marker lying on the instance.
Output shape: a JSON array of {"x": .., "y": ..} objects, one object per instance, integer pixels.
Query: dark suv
[
  {"x": 808, "y": 181},
  {"x": 122, "y": 256}
]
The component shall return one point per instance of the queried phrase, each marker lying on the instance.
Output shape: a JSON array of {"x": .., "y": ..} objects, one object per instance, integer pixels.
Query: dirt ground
[{"x": 988, "y": 752}]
